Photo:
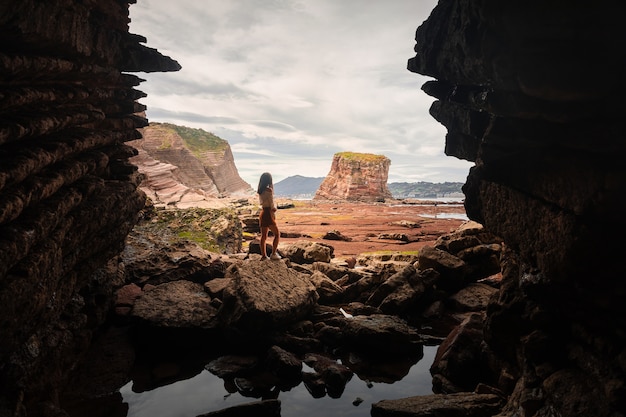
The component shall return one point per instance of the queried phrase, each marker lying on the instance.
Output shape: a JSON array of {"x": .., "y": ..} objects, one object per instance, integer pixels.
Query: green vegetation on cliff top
[
  {"x": 197, "y": 140},
  {"x": 367, "y": 157}
]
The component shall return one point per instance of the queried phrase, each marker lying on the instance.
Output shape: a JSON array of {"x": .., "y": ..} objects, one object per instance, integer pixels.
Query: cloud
[{"x": 289, "y": 83}]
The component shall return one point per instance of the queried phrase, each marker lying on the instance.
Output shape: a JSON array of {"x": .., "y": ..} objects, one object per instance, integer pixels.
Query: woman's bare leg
[
  {"x": 276, "y": 234},
  {"x": 263, "y": 240}
]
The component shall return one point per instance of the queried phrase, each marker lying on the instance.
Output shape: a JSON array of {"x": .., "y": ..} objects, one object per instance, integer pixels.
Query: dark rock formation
[
  {"x": 68, "y": 195},
  {"x": 185, "y": 167},
  {"x": 255, "y": 323},
  {"x": 356, "y": 177},
  {"x": 466, "y": 405},
  {"x": 265, "y": 295},
  {"x": 532, "y": 93}
]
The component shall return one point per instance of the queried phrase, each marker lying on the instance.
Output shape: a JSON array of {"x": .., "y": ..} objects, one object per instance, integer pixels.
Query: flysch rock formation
[
  {"x": 533, "y": 94},
  {"x": 356, "y": 177},
  {"x": 185, "y": 167},
  {"x": 68, "y": 195}
]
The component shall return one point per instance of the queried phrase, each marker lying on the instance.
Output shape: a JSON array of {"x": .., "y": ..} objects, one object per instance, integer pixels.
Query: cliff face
[
  {"x": 356, "y": 177},
  {"x": 186, "y": 167},
  {"x": 532, "y": 92},
  {"x": 68, "y": 195}
]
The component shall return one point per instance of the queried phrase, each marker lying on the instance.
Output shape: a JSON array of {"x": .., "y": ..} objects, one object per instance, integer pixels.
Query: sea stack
[{"x": 356, "y": 177}]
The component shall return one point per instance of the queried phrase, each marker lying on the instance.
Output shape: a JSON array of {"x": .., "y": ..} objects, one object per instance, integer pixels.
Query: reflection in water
[{"x": 206, "y": 392}]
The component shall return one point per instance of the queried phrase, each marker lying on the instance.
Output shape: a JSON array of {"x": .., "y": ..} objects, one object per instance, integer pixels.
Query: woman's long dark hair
[{"x": 264, "y": 182}]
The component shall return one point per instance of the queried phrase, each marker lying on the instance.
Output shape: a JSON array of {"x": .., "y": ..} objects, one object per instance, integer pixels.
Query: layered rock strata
[
  {"x": 186, "y": 167},
  {"x": 532, "y": 92},
  {"x": 68, "y": 195},
  {"x": 356, "y": 177}
]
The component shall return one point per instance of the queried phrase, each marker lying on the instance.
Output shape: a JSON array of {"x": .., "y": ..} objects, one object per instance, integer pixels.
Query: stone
[
  {"x": 458, "y": 365},
  {"x": 336, "y": 235},
  {"x": 215, "y": 287},
  {"x": 379, "y": 333},
  {"x": 125, "y": 297},
  {"x": 326, "y": 288},
  {"x": 337, "y": 272},
  {"x": 229, "y": 366},
  {"x": 264, "y": 408},
  {"x": 177, "y": 304},
  {"x": 305, "y": 252},
  {"x": 413, "y": 296},
  {"x": 474, "y": 297},
  {"x": 283, "y": 364},
  {"x": 265, "y": 294},
  {"x": 334, "y": 375},
  {"x": 190, "y": 246},
  {"x": 450, "y": 267},
  {"x": 464, "y": 404}
]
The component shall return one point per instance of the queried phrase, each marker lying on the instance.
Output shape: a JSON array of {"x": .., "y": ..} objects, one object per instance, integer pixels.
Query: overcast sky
[{"x": 289, "y": 83}]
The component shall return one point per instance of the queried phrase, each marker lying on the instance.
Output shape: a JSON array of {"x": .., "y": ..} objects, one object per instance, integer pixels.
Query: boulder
[
  {"x": 144, "y": 264},
  {"x": 466, "y": 404},
  {"x": 336, "y": 235},
  {"x": 215, "y": 287},
  {"x": 326, "y": 288},
  {"x": 474, "y": 297},
  {"x": 413, "y": 296},
  {"x": 229, "y": 366},
  {"x": 451, "y": 268},
  {"x": 333, "y": 374},
  {"x": 265, "y": 294},
  {"x": 305, "y": 252},
  {"x": 125, "y": 299},
  {"x": 283, "y": 364},
  {"x": 337, "y": 272},
  {"x": 264, "y": 408},
  {"x": 176, "y": 304},
  {"x": 460, "y": 361},
  {"x": 379, "y": 333}
]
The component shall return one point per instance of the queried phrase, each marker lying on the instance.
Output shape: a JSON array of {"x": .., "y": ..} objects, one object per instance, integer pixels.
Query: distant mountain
[{"x": 298, "y": 186}]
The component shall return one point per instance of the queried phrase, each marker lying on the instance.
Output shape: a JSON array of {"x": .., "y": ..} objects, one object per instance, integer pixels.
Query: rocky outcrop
[
  {"x": 356, "y": 177},
  {"x": 513, "y": 88},
  {"x": 68, "y": 195},
  {"x": 185, "y": 167},
  {"x": 266, "y": 319}
]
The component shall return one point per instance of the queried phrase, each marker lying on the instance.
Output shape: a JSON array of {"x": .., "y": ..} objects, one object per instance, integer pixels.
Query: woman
[{"x": 267, "y": 217}]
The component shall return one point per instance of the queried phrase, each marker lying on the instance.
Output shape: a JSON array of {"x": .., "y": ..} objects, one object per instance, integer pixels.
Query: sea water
[{"x": 205, "y": 392}]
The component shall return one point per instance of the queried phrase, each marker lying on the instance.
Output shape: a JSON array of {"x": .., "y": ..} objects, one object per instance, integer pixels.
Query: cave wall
[
  {"x": 68, "y": 196},
  {"x": 532, "y": 92}
]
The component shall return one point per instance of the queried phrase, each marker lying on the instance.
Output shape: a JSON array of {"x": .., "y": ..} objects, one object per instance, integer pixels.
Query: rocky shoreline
[{"x": 308, "y": 308}]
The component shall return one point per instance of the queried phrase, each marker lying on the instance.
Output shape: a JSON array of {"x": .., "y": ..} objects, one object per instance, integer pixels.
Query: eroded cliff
[
  {"x": 68, "y": 195},
  {"x": 356, "y": 177},
  {"x": 532, "y": 93},
  {"x": 185, "y": 167}
]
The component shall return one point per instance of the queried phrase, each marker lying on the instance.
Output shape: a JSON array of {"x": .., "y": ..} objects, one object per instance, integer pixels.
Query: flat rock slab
[
  {"x": 381, "y": 332},
  {"x": 465, "y": 404},
  {"x": 176, "y": 304},
  {"x": 265, "y": 294},
  {"x": 265, "y": 408}
]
